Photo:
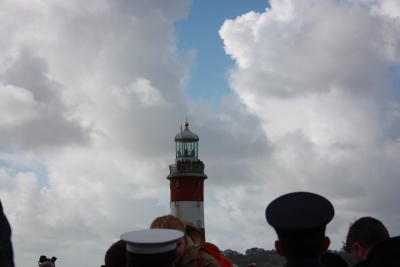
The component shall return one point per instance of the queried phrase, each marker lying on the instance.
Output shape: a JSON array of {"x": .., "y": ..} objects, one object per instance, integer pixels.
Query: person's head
[
  {"x": 363, "y": 234},
  {"x": 172, "y": 222},
  {"x": 115, "y": 255},
  {"x": 47, "y": 264},
  {"x": 300, "y": 219}
]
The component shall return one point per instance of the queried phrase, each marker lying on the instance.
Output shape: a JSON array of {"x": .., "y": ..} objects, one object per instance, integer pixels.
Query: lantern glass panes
[{"x": 187, "y": 149}]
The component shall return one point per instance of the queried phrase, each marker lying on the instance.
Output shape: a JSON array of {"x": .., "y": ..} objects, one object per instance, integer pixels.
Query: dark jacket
[
  {"x": 6, "y": 251},
  {"x": 305, "y": 262},
  {"x": 333, "y": 260},
  {"x": 383, "y": 254}
]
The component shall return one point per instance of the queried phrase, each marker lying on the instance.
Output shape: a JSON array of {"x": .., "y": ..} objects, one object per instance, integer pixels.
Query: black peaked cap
[{"x": 299, "y": 215}]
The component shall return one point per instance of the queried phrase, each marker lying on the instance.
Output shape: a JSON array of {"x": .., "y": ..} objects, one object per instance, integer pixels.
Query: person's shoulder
[
  {"x": 384, "y": 254},
  {"x": 386, "y": 248},
  {"x": 330, "y": 259},
  {"x": 190, "y": 257},
  {"x": 304, "y": 262},
  {"x": 208, "y": 260}
]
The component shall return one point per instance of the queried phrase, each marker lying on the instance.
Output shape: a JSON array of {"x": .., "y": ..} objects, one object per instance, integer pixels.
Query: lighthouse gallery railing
[{"x": 186, "y": 168}]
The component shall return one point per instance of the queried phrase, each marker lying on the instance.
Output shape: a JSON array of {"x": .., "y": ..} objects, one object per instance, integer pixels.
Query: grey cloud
[
  {"x": 117, "y": 183},
  {"x": 121, "y": 42},
  {"x": 52, "y": 129},
  {"x": 29, "y": 72},
  {"x": 107, "y": 177},
  {"x": 235, "y": 134},
  {"x": 50, "y": 221},
  {"x": 232, "y": 144},
  {"x": 321, "y": 89}
]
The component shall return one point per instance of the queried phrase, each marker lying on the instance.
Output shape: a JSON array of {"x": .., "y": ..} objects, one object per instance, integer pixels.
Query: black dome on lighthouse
[{"x": 186, "y": 135}]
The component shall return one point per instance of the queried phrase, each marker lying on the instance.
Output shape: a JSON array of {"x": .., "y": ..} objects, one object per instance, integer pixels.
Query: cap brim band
[
  {"x": 300, "y": 234},
  {"x": 160, "y": 259}
]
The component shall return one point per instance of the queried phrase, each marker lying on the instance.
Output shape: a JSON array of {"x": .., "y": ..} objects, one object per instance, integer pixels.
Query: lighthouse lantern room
[{"x": 187, "y": 179}]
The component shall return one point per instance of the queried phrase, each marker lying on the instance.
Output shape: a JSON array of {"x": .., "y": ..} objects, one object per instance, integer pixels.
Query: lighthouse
[{"x": 186, "y": 178}]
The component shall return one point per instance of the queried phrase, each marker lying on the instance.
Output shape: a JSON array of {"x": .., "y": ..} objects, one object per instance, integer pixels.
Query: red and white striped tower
[{"x": 186, "y": 178}]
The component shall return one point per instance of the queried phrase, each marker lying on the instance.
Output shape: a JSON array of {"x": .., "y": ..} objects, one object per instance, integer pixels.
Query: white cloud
[
  {"x": 320, "y": 77},
  {"x": 142, "y": 90},
  {"x": 17, "y": 106},
  {"x": 104, "y": 83},
  {"x": 348, "y": 49},
  {"x": 86, "y": 91},
  {"x": 92, "y": 97}
]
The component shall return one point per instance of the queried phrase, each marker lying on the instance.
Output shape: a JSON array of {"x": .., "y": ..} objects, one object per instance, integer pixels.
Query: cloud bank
[
  {"x": 322, "y": 77},
  {"x": 92, "y": 95}
]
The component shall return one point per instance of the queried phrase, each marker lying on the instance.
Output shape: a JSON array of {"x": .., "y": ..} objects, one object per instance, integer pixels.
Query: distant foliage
[
  {"x": 269, "y": 258},
  {"x": 230, "y": 252},
  {"x": 263, "y": 258},
  {"x": 255, "y": 251}
]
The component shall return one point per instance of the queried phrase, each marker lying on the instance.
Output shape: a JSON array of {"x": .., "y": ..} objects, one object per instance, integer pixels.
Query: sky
[
  {"x": 285, "y": 96},
  {"x": 199, "y": 31}
]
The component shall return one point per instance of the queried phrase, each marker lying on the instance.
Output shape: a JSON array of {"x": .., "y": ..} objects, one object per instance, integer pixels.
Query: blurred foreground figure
[
  {"x": 299, "y": 220},
  {"x": 369, "y": 242},
  {"x": 333, "y": 260},
  {"x": 6, "y": 251},
  {"x": 189, "y": 249},
  {"x": 151, "y": 248},
  {"x": 116, "y": 255}
]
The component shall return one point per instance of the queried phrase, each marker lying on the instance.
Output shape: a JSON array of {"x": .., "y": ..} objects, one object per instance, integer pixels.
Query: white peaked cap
[{"x": 151, "y": 241}]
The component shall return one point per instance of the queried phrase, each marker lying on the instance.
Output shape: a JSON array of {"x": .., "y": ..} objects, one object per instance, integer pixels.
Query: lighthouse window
[{"x": 187, "y": 149}]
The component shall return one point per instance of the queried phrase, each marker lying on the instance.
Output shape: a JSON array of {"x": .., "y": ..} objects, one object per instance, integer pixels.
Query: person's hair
[
  {"x": 367, "y": 231},
  {"x": 304, "y": 248},
  {"x": 116, "y": 255},
  {"x": 168, "y": 222}
]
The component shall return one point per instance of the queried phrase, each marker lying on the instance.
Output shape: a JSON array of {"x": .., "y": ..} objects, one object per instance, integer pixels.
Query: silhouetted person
[
  {"x": 299, "y": 220},
  {"x": 369, "y": 242},
  {"x": 333, "y": 260},
  {"x": 6, "y": 251},
  {"x": 47, "y": 264}
]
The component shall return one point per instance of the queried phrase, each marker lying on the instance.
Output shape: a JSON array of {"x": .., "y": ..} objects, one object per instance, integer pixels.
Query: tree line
[{"x": 269, "y": 258}]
